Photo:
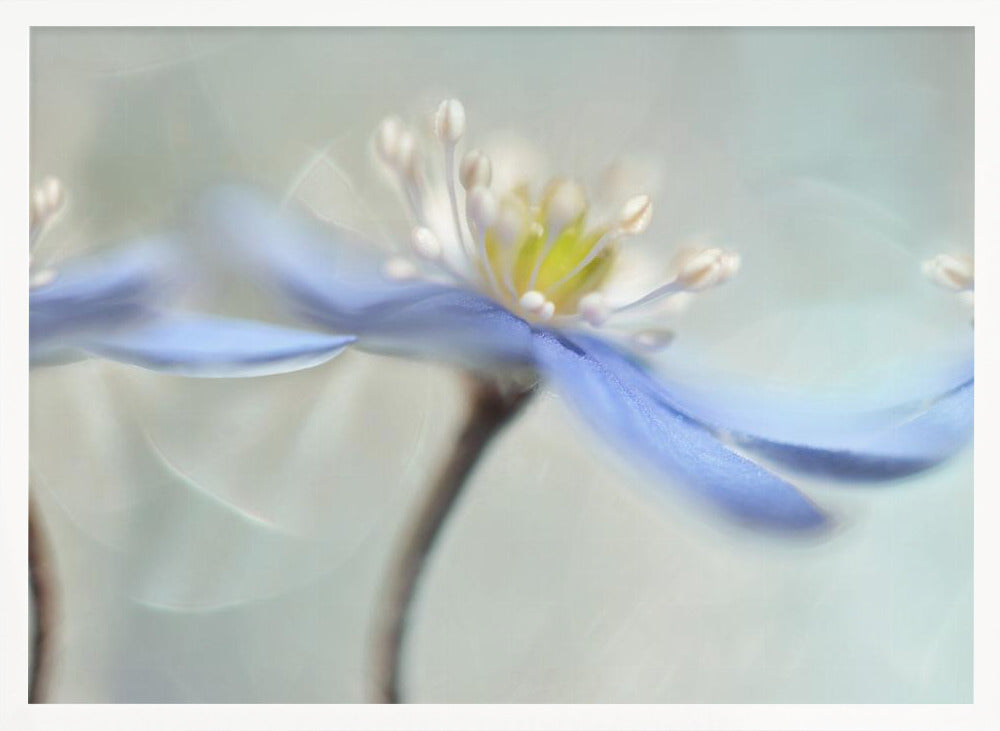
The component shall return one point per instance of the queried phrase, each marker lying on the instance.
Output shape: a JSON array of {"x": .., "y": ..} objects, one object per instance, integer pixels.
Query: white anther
[
  {"x": 956, "y": 273},
  {"x": 387, "y": 140},
  {"x": 594, "y": 308},
  {"x": 53, "y": 192},
  {"x": 481, "y": 208},
  {"x": 399, "y": 269},
  {"x": 449, "y": 122},
  {"x": 41, "y": 278},
  {"x": 547, "y": 311},
  {"x": 475, "y": 170},
  {"x": 731, "y": 263},
  {"x": 653, "y": 339},
  {"x": 568, "y": 202},
  {"x": 47, "y": 197},
  {"x": 708, "y": 268},
  {"x": 46, "y": 200},
  {"x": 37, "y": 202},
  {"x": 509, "y": 226},
  {"x": 406, "y": 156},
  {"x": 635, "y": 215},
  {"x": 425, "y": 243},
  {"x": 532, "y": 302}
]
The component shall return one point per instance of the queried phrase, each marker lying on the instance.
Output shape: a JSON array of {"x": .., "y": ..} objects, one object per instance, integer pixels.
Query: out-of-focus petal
[
  {"x": 100, "y": 293},
  {"x": 333, "y": 281},
  {"x": 935, "y": 434},
  {"x": 215, "y": 347},
  {"x": 836, "y": 440},
  {"x": 613, "y": 395}
]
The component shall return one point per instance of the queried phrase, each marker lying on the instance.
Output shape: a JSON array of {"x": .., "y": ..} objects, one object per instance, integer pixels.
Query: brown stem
[
  {"x": 42, "y": 587},
  {"x": 492, "y": 406}
]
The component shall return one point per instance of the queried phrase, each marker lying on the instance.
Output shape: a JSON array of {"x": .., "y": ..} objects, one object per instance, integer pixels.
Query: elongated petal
[
  {"x": 215, "y": 347},
  {"x": 858, "y": 444},
  {"x": 333, "y": 281},
  {"x": 612, "y": 394},
  {"x": 100, "y": 293},
  {"x": 941, "y": 430}
]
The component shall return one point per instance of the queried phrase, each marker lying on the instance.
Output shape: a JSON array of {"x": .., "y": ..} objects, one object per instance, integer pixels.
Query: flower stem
[
  {"x": 492, "y": 405},
  {"x": 43, "y": 602}
]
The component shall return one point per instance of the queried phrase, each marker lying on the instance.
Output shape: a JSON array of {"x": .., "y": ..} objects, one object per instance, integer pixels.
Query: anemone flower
[
  {"x": 517, "y": 285},
  {"x": 117, "y": 307}
]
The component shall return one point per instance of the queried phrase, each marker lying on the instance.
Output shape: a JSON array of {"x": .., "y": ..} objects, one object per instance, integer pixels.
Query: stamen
[
  {"x": 708, "y": 268},
  {"x": 407, "y": 159},
  {"x": 396, "y": 146},
  {"x": 956, "y": 273},
  {"x": 481, "y": 212},
  {"x": 633, "y": 219},
  {"x": 481, "y": 207},
  {"x": 449, "y": 126},
  {"x": 456, "y": 219},
  {"x": 449, "y": 122},
  {"x": 594, "y": 308},
  {"x": 671, "y": 287},
  {"x": 547, "y": 311},
  {"x": 635, "y": 215},
  {"x": 387, "y": 140},
  {"x": 425, "y": 243},
  {"x": 428, "y": 247},
  {"x": 532, "y": 302},
  {"x": 508, "y": 230},
  {"x": 567, "y": 204},
  {"x": 475, "y": 169},
  {"x": 45, "y": 201},
  {"x": 510, "y": 223}
]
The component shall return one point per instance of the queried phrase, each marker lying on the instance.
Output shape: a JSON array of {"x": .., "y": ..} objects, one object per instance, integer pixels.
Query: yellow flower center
[
  {"x": 540, "y": 258},
  {"x": 528, "y": 251}
]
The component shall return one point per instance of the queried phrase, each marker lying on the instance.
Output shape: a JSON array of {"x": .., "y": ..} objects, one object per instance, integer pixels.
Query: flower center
[
  {"x": 549, "y": 248},
  {"x": 541, "y": 257}
]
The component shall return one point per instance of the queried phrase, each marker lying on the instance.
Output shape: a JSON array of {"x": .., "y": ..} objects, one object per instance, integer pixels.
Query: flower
[
  {"x": 115, "y": 307},
  {"x": 504, "y": 278}
]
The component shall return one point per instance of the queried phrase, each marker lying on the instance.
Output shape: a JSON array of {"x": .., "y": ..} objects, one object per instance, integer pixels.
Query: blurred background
[{"x": 223, "y": 541}]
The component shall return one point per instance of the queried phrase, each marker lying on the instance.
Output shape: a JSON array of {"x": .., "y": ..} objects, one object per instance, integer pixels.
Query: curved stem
[
  {"x": 43, "y": 601},
  {"x": 492, "y": 406}
]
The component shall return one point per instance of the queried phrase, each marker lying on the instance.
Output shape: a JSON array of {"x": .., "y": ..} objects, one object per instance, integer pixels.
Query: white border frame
[{"x": 17, "y": 17}]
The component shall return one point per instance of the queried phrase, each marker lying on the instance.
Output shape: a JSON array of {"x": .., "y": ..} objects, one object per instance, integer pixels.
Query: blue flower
[
  {"x": 116, "y": 306},
  {"x": 513, "y": 281}
]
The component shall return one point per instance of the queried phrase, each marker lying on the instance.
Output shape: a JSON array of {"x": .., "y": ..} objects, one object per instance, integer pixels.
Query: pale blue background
[{"x": 223, "y": 541}]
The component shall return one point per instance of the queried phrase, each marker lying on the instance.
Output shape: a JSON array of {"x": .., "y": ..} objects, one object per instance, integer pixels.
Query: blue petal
[
  {"x": 335, "y": 282},
  {"x": 99, "y": 293},
  {"x": 215, "y": 347},
  {"x": 613, "y": 394},
  {"x": 911, "y": 446},
  {"x": 877, "y": 444}
]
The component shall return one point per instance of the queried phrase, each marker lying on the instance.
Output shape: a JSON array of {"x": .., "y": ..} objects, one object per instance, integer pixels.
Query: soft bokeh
[{"x": 225, "y": 540}]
